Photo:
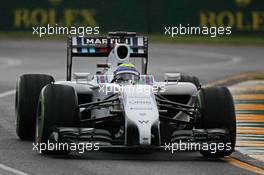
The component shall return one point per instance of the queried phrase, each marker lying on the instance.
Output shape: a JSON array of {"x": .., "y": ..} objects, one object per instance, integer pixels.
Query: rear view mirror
[
  {"x": 175, "y": 77},
  {"x": 81, "y": 76}
]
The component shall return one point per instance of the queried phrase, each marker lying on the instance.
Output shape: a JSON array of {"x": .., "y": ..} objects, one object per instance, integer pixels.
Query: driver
[{"x": 126, "y": 73}]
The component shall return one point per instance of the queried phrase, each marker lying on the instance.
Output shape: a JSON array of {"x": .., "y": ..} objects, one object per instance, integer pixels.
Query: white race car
[{"x": 120, "y": 107}]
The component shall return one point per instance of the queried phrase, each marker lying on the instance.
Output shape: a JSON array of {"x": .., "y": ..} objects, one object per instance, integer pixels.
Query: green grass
[
  {"x": 259, "y": 76},
  {"x": 232, "y": 40}
]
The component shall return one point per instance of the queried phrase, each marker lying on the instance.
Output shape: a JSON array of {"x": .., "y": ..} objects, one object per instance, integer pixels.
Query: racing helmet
[{"x": 126, "y": 72}]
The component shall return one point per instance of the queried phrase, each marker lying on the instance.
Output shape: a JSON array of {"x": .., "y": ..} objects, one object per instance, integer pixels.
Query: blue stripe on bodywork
[
  {"x": 92, "y": 50},
  {"x": 143, "y": 79},
  {"x": 84, "y": 50},
  {"x": 98, "y": 79}
]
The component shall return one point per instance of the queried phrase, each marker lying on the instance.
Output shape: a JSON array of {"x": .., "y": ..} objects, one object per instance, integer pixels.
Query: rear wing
[{"x": 101, "y": 47}]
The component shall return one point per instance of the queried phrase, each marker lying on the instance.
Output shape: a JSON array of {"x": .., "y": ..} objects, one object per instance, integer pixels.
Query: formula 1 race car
[{"x": 120, "y": 107}]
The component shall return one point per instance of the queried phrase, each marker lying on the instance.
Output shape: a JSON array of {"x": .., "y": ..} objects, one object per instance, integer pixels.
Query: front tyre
[
  {"x": 217, "y": 111},
  {"x": 58, "y": 107}
]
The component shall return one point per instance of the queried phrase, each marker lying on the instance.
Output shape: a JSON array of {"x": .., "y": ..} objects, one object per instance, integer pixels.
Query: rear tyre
[
  {"x": 27, "y": 94},
  {"x": 217, "y": 111},
  {"x": 58, "y": 107},
  {"x": 191, "y": 79}
]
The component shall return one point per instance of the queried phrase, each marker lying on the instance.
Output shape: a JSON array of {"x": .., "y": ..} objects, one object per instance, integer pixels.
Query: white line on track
[
  {"x": 11, "y": 170},
  {"x": 7, "y": 93},
  {"x": 2, "y": 166}
]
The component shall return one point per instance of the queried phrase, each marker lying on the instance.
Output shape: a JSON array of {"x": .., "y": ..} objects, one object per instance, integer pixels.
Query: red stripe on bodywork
[
  {"x": 147, "y": 79},
  {"x": 101, "y": 78}
]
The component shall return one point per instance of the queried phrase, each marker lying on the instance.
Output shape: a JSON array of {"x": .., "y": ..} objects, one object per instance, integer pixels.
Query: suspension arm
[{"x": 97, "y": 102}]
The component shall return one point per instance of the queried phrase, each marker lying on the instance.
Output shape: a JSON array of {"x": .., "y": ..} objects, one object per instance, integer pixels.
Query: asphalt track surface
[{"x": 207, "y": 62}]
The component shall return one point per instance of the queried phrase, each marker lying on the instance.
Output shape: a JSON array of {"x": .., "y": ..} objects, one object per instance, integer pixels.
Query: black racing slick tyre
[
  {"x": 217, "y": 111},
  {"x": 191, "y": 79},
  {"x": 58, "y": 107},
  {"x": 27, "y": 94}
]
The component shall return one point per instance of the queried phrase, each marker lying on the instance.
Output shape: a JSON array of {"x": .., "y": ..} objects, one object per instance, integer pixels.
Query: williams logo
[{"x": 143, "y": 121}]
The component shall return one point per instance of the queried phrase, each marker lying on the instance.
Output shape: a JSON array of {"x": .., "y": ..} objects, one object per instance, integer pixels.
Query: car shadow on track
[{"x": 135, "y": 156}]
